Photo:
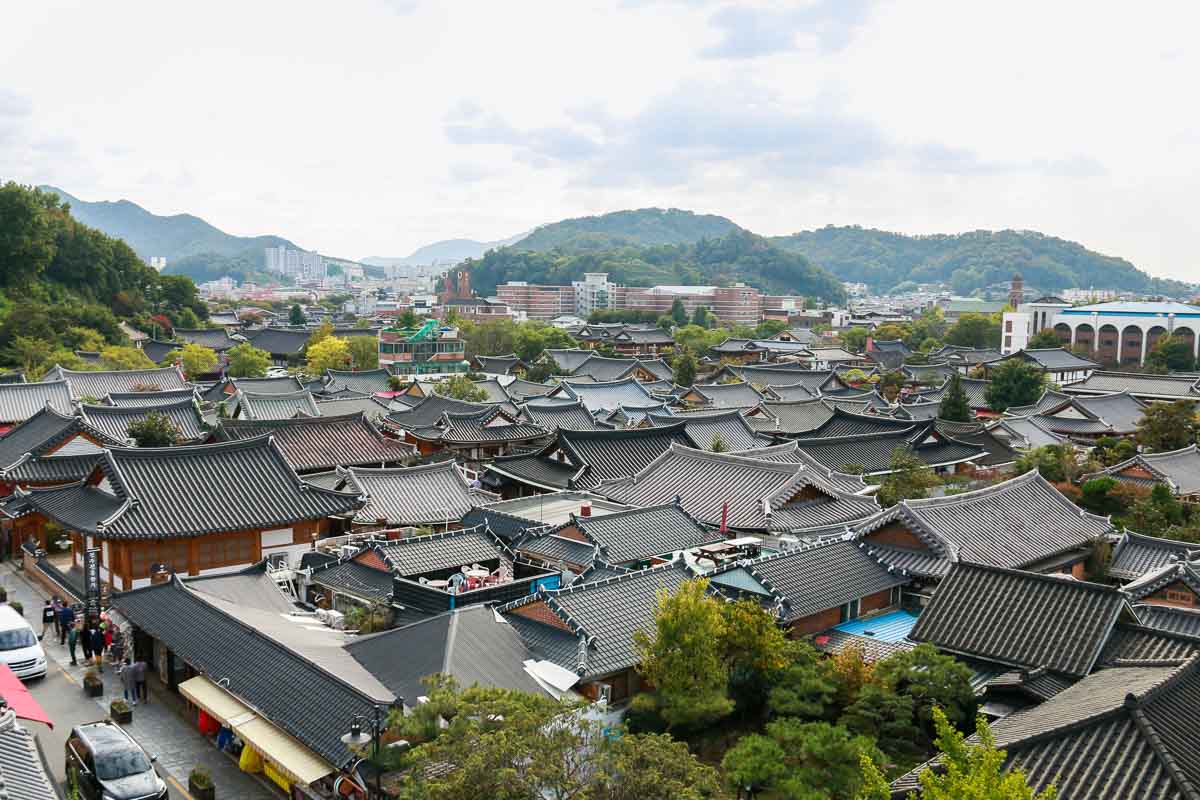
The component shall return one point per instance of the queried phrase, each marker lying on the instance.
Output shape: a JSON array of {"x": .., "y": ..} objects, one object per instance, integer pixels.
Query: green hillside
[
  {"x": 966, "y": 261},
  {"x": 65, "y": 286},
  {"x": 644, "y": 226},
  {"x": 737, "y": 256}
]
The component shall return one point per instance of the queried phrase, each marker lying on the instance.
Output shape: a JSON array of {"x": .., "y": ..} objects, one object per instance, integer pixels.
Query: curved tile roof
[
  {"x": 102, "y": 383},
  {"x": 322, "y": 443},
  {"x": 276, "y": 406},
  {"x": 430, "y": 493},
  {"x": 20, "y": 401},
  {"x": 115, "y": 420}
]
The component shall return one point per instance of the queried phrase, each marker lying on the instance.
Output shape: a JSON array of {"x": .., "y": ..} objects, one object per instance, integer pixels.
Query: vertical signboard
[{"x": 91, "y": 579}]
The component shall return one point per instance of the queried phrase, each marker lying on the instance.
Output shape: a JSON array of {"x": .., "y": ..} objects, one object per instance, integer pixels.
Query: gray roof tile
[
  {"x": 430, "y": 493},
  {"x": 100, "y": 384},
  {"x": 20, "y": 401},
  {"x": 115, "y": 420},
  {"x": 322, "y": 443}
]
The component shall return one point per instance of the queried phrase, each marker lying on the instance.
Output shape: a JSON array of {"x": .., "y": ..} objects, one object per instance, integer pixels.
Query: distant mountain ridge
[
  {"x": 637, "y": 227},
  {"x": 451, "y": 251}
]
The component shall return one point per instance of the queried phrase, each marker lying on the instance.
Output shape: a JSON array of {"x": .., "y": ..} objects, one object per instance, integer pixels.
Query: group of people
[{"x": 95, "y": 637}]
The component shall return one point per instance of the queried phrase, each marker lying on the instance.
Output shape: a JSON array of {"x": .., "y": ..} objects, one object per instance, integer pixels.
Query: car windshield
[
  {"x": 17, "y": 638},
  {"x": 121, "y": 763}
]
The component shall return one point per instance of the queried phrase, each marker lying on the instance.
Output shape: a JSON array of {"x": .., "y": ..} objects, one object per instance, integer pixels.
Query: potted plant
[
  {"x": 16, "y": 606},
  {"x": 200, "y": 785},
  {"x": 93, "y": 686},
  {"x": 120, "y": 712}
]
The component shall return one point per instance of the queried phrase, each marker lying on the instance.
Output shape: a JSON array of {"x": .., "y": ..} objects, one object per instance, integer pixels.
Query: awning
[
  {"x": 19, "y": 699},
  {"x": 288, "y": 755},
  {"x": 219, "y": 704}
]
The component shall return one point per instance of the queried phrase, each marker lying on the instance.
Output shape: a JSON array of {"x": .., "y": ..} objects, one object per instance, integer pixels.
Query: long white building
[{"x": 1119, "y": 332}]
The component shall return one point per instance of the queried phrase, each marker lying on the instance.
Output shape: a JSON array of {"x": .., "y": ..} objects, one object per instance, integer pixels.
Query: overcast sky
[{"x": 371, "y": 127}]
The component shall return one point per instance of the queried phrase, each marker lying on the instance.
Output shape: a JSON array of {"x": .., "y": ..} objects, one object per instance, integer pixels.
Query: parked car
[
  {"x": 105, "y": 763},
  {"x": 19, "y": 645},
  {"x": 277, "y": 372}
]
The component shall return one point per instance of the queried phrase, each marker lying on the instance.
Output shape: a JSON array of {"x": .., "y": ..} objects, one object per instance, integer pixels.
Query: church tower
[{"x": 1016, "y": 291}]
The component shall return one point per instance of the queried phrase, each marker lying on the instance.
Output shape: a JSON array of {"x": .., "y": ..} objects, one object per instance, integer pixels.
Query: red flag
[{"x": 725, "y": 517}]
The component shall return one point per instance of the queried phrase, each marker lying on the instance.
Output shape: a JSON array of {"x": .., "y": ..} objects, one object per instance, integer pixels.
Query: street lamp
[{"x": 357, "y": 737}]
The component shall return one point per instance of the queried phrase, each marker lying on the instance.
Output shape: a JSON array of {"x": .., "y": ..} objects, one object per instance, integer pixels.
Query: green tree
[
  {"x": 27, "y": 245},
  {"x": 955, "y": 405},
  {"x": 364, "y": 351},
  {"x": 460, "y": 387},
  {"x": 1167, "y": 426},
  {"x": 124, "y": 358},
  {"x": 756, "y": 651},
  {"x": 684, "y": 657},
  {"x": 887, "y": 717},
  {"x": 974, "y": 771},
  {"x": 927, "y": 329},
  {"x": 247, "y": 361},
  {"x": 684, "y": 369},
  {"x": 77, "y": 337},
  {"x": 533, "y": 338},
  {"x": 854, "y": 339},
  {"x": 154, "y": 430},
  {"x": 1014, "y": 383},
  {"x": 1171, "y": 354},
  {"x": 822, "y": 759},
  {"x": 909, "y": 478},
  {"x": 196, "y": 360},
  {"x": 29, "y": 354},
  {"x": 323, "y": 332},
  {"x": 678, "y": 312},
  {"x": 754, "y": 763},
  {"x": 1110, "y": 450},
  {"x": 1155, "y": 513},
  {"x": 933, "y": 681},
  {"x": 641, "y": 766},
  {"x": 1055, "y": 462},
  {"x": 1045, "y": 339},
  {"x": 1099, "y": 497},
  {"x": 296, "y": 316},
  {"x": 702, "y": 317},
  {"x": 975, "y": 330},
  {"x": 328, "y": 352},
  {"x": 806, "y": 687},
  {"x": 891, "y": 332},
  {"x": 769, "y": 327}
]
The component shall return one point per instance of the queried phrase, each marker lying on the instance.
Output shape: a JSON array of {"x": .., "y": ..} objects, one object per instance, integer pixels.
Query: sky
[{"x": 372, "y": 127}]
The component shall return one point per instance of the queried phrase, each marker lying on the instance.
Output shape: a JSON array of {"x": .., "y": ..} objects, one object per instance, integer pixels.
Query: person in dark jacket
[
  {"x": 66, "y": 622},
  {"x": 73, "y": 642},
  {"x": 85, "y": 641},
  {"x": 96, "y": 637}
]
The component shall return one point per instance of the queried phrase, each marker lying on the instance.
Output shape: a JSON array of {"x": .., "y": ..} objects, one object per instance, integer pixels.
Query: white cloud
[{"x": 375, "y": 126}]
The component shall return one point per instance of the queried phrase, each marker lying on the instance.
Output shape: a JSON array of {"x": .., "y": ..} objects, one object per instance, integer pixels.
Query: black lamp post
[{"x": 357, "y": 737}]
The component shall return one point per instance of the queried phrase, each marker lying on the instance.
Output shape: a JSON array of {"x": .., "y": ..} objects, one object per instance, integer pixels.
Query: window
[
  {"x": 225, "y": 550},
  {"x": 849, "y": 611},
  {"x": 894, "y": 596},
  {"x": 1008, "y": 326}
]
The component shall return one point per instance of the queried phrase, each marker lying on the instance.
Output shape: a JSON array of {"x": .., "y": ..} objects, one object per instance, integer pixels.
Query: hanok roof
[
  {"x": 1174, "y": 619},
  {"x": 812, "y": 579},
  {"x": 430, "y": 410},
  {"x": 568, "y": 360},
  {"x": 1021, "y": 619},
  {"x": 430, "y": 493},
  {"x": 20, "y": 401},
  {"x": 1052, "y": 359},
  {"x": 188, "y": 491},
  {"x": 597, "y": 619},
  {"x": 974, "y": 388},
  {"x": 368, "y": 381},
  {"x": 148, "y": 399},
  {"x": 934, "y": 374},
  {"x": 520, "y": 389},
  {"x": 814, "y": 380},
  {"x": 1186, "y": 573},
  {"x": 289, "y": 686},
  {"x": 414, "y": 556},
  {"x": 846, "y": 423},
  {"x": 217, "y": 339},
  {"x": 276, "y": 406},
  {"x": 761, "y": 494},
  {"x": 726, "y": 395},
  {"x": 604, "y": 369},
  {"x": 48, "y": 432},
  {"x": 704, "y": 428},
  {"x": 793, "y": 416},
  {"x": 500, "y": 365},
  {"x": 605, "y": 396},
  {"x": 373, "y": 407},
  {"x": 638, "y": 534},
  {"x": 1133, "y": 644},
  {"x": 639, "y": 335},
  {"x": 52, "y": 469},
  {"x": 1027, "y": 433},
  {"x": 115, "y": 420},
  {"x": 1017, "y": 523},
  {"x": 476, "y": 427},
  {"x": 873, "y": 451},
  {"x": 322, "y": 443},
  {"x": 555, "y": 414},
  {"x": 493, "y": 389},
  {"x": 366, "y": 582},
  {"x": 1178, "y": 469},
  {"x": 1136, "y": 555},
  {"x": 278, "y": 341},
  {"x": 1144, "y": 386},
  {"x": 12, "y": 377},
  {"x": 472, "y": 644},
  {"x": 511, "y": 519},
  {"x": 158, "y": 351},
  {"x": 99, "y": 384}
]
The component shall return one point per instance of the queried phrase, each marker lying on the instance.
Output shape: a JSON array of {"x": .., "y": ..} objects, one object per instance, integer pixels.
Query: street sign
[{"x": 91, "y": 578}]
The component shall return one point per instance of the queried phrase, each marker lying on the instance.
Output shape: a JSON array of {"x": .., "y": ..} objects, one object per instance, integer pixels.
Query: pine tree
[{"x": 955, "y": 406}]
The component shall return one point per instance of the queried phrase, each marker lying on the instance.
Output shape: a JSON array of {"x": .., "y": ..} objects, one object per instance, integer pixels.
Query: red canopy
[{"x": 19, "y": 699}]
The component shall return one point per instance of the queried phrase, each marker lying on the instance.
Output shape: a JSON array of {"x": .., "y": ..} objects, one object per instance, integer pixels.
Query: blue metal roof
[
  {"x": 1135, "y": 308},
  {"x": 892, "y": 627}
]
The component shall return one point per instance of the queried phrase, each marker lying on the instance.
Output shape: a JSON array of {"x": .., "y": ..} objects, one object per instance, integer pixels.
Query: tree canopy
[
  {"x": 1167, "y": 426},
  {"x": 1014, "y": 383},
  {"x": 955, "y": 407},
  {"x": 154, "y": 430}
]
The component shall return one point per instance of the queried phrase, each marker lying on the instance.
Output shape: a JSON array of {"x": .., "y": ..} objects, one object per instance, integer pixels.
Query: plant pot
[
  {"x": 201, "y": 793},
  {"x": 93, "y": 689},
  {"x": 120, "y": 717}
]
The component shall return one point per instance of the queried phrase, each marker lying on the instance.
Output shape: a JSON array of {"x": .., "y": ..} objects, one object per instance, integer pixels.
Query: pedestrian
[
  {"x": 72, "y": 641},
  {"x": 85, "y": 641},
  {"x": 66, "y": 622},
  {"x": 128, "y": 682},
  {"x": 57, "y": 605},
  {"x": 139, "y": 679},
  {"x": 97, "y": 638},
  {"x": 47, "y": 617}
]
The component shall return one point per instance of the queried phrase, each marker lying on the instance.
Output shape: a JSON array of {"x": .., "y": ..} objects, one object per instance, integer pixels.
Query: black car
[{"x": 105, "y": 763}]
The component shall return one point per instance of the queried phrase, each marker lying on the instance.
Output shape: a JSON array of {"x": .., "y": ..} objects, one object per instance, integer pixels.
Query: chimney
[{"x": 585, "y": 510}]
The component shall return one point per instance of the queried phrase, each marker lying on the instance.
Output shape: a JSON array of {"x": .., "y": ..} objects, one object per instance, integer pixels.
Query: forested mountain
[
  {"x": 446, "y": 251},
  {"x": 644, "y": 226},
  {"x": 737, "y": 256},
  {"x": 966, "y": 261},
  {"x": 64, "y": 284}
]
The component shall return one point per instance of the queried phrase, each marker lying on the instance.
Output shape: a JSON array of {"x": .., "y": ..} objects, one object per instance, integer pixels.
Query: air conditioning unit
[{"x": 337, "y": 620}]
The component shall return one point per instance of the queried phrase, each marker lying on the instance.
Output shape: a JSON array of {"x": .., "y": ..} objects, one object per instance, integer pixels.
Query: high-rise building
[
  {"x": 537, "y": 301},
  {"x": 296, "y": 264},
  {"x": 592, "y": 293}
]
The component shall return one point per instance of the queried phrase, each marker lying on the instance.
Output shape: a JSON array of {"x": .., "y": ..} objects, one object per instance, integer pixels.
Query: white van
[{"x": 19, "y": 646}]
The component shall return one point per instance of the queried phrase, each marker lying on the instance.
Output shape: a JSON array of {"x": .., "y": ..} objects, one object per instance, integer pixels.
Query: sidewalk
[{"x": 158, "y": 725}]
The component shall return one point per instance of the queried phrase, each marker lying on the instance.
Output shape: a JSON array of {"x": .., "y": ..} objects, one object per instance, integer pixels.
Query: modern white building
[
  {"x": 298, "y": 264},
  {"x": 592, "y": 293},
  {"x": 1119, "y": 332}
]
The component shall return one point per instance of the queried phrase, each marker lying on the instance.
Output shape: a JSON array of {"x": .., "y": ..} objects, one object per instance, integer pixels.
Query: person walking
[
  {"x": 85, "y": 641},
  {"x": 139, "y": 679},
  {"x": 128, "y": 682},
  {"x": 97, "y": 639},
  {"x": 48, "y": 617},
  {"x": 66, "y": 622},
  {"x": 57, "y": 604},
  {"x": 73, "y": 641}
]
